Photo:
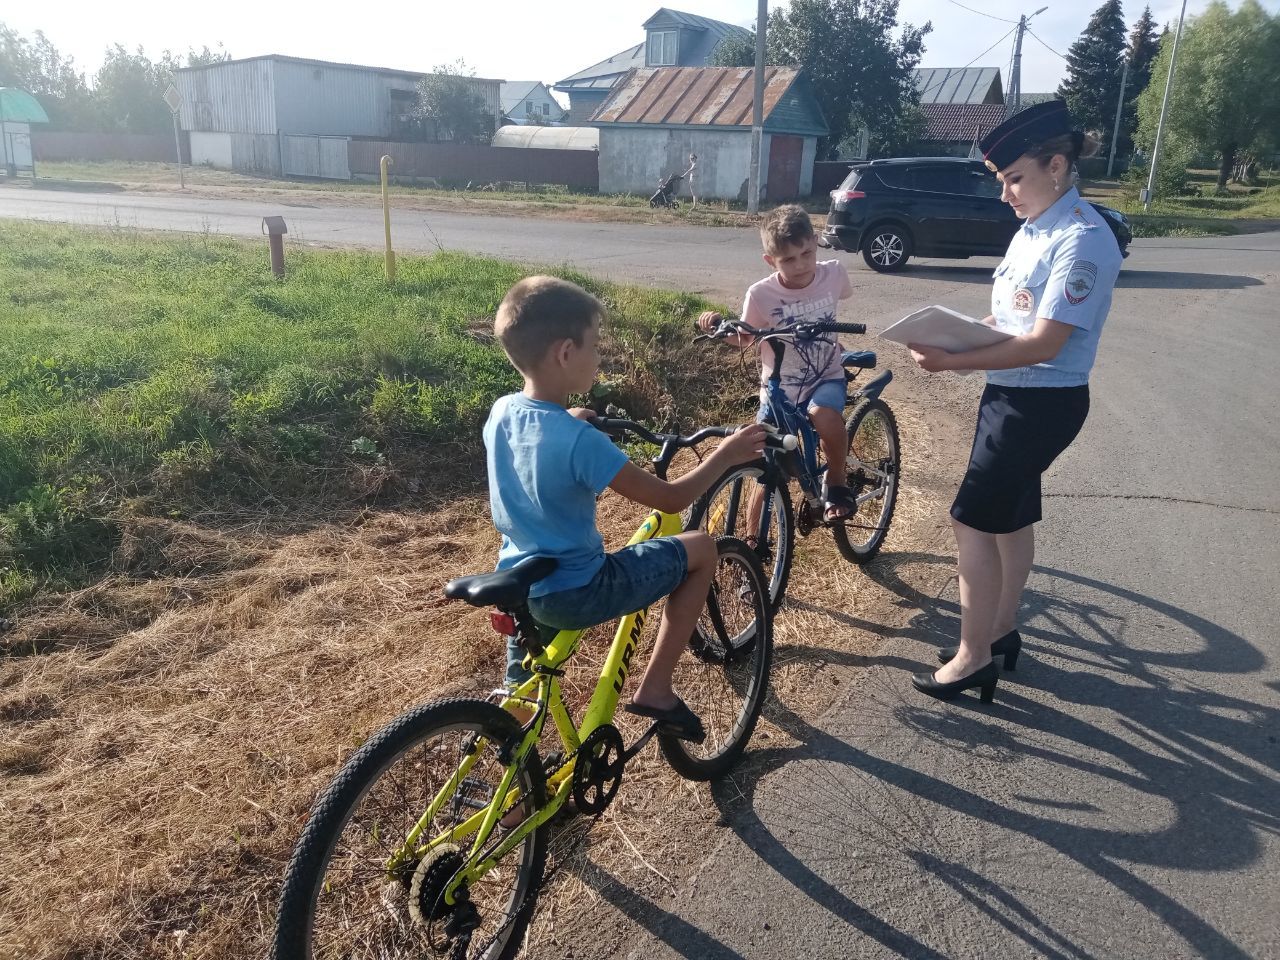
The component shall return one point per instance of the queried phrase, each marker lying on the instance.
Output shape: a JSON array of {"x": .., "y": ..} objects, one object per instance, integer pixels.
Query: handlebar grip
[
  {"x": 779, "y": 440},
  {"x": 848, "y": 328}
]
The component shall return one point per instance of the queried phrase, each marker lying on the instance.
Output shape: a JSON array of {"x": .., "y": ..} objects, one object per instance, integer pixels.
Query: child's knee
[
  {"x": 699, "y": 548},
  {"x": 825, "y": 417}
]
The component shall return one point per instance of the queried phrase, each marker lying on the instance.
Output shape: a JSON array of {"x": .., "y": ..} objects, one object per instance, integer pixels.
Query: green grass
[
  {"x": 1197, "y": 216},
  {"x": 159, "y": 374}
]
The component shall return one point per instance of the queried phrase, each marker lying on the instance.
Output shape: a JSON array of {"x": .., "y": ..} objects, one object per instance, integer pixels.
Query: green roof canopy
[{"x": 18, "y": 106}]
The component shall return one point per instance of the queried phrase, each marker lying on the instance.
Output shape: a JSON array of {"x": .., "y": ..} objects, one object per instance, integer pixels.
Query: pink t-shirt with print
[{"x": 770, "y": 304}]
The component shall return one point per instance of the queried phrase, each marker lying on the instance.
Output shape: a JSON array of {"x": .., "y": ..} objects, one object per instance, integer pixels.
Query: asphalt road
[{"x": 1121, "y": 798}]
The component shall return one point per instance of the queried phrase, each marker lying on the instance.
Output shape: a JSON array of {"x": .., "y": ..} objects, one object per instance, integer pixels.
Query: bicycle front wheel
[
  {"x": 343, "y": 898},
  {"x": 727, "y": 509},
  {"x": 874, "y": 467},
  {"x": 725, "y": 684}
]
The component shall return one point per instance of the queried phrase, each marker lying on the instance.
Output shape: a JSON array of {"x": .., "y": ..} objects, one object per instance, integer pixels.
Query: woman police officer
[{"x": 1052, "y": 292}]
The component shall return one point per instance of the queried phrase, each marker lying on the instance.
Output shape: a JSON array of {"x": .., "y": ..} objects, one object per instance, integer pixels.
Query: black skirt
[{"x": 1021, "y": 431}]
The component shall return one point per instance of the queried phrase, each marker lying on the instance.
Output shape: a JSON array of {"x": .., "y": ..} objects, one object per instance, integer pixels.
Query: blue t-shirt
[
  {"x": 1062, "y": 267},
  {"x": 546, "y": 468}
]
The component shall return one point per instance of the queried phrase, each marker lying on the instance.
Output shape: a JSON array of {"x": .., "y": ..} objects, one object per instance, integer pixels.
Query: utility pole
[
  {"x": 757, "y": 114},
  {"x": 1164, "y": 112},
  {"x": 1115, "y": 133},
  {"x": 1015, "y": 80}
]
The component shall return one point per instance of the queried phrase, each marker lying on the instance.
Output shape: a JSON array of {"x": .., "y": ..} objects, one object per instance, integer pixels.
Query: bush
[{"x": 1171, "y": 175}]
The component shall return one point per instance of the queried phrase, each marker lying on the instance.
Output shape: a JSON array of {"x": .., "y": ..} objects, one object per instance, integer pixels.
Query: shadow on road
[
  {"x": 1202, "y": 755},
  {"x": 1130, "y": 279},
  {"x": 1181, "y": 280}
]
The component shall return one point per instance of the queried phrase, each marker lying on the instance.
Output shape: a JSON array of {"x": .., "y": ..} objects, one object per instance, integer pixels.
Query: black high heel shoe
[
  {"x": 1010, "y": 645},
  {"x": 984, "y": 677}
]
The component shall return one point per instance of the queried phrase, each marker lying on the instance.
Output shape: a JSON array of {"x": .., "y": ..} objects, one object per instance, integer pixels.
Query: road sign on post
[{"x": 173, "y": 100}]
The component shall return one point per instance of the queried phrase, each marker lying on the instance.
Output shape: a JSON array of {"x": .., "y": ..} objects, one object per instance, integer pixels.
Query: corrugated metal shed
[
  {"x": 553, "y": 138},
  {"x": 968, "y": 85},
  {"x": 271, "y": 94},
  {"x": 712, "y": 96},
  {"x": 233, "y": 97}
]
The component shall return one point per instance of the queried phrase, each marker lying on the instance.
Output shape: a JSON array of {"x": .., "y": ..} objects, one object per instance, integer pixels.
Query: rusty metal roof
[{"x": 710, "y": 96}]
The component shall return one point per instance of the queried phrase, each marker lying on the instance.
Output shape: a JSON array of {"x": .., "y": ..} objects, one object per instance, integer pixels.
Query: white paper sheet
[{"x": 937, "y": 326}]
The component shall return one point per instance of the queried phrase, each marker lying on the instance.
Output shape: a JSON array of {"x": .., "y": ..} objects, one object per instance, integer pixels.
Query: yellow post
[{"x": 386, "y": 221}]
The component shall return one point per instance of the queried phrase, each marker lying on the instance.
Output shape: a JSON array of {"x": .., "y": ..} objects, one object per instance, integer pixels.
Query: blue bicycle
[{"x": 753, "y": 501}]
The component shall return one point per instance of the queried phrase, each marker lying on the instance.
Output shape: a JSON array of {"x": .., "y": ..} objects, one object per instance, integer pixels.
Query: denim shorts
[
  {"x": 635, "y": 577},
  {"x": 831, "y": 394}
]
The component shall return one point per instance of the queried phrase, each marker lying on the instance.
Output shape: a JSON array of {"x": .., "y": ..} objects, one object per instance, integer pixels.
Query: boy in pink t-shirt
[{"x": 803, "y": 289}]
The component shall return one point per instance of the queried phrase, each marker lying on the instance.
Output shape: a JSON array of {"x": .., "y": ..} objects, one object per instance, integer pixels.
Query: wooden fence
[
  {"x": 60, "y": 145},
  {"x": 463, "y": 163}
]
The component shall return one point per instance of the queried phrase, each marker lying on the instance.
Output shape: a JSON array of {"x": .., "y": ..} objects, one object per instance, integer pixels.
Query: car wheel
[{"x": 886, "y": 248}]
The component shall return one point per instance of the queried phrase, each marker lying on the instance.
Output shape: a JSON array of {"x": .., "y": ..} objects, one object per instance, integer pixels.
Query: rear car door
[
  {"x": 944, "y": 208},
  {"x": 994, "y": 222}
]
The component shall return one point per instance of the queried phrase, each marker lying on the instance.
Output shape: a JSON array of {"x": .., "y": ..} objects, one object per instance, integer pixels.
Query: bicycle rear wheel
[
  {"x": 874, "y": 467},
  {"x": 725, "y": 511},
  {"x": 339, "y": 898},
  {"x": 725, "y": 685}
]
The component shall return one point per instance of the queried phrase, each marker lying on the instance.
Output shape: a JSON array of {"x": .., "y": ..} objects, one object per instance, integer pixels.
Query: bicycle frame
[{"x": 542, "y": 692}]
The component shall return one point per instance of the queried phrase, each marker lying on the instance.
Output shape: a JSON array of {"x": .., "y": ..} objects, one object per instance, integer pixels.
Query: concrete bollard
[{"x": 275, "y": 230}]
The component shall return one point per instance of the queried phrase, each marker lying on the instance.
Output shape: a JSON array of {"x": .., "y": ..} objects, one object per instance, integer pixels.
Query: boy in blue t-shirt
[{"x": 547, "y": 465}]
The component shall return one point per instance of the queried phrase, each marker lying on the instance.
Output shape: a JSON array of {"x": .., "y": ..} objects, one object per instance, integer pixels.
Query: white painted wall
[
  {"x": 211, "y": 148},
  {"x": 632, "y": 160},
  {"x": 807, "y": 157}
]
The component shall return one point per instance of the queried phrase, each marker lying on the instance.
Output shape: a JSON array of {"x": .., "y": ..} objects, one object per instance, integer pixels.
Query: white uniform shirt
[{"x": 1062, "y": 267}]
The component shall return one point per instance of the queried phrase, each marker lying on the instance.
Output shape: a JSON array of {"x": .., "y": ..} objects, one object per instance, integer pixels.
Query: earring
[{"x": 1057, "y": 188}]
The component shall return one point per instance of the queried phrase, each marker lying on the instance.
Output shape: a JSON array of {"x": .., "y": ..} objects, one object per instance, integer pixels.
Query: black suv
[{"x": 929, "y": 207}]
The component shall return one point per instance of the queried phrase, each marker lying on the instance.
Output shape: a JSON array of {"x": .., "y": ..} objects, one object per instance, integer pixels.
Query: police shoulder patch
[{"x": 1081, "y": 279}]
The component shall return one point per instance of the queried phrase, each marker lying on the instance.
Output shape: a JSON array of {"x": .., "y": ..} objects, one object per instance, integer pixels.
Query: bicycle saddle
[
  {"x": 506, "y": 589},
  {"x": 858, "y": 358}
]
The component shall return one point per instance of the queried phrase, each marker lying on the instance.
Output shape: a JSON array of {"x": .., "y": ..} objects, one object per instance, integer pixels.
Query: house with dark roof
[
  {"x": 961, "y": 105},
  {"x": 673, "y": 38},
  {"x": 654, "y": 117},
  {"x": 529, "y": 101}
]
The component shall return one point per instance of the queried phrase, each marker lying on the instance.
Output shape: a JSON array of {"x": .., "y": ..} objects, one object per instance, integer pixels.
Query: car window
[
  {"x": 892, "y": 176},
  {"x": 985, "y": 185},
  {"x": 941, "y": 180},
  {"x": 851, "y": 180}
]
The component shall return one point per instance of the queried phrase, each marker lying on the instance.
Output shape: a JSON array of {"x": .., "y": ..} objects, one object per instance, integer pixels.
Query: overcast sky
[{"x": 525, "y": 41}]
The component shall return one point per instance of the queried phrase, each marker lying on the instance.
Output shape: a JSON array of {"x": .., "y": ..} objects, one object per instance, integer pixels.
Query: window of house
[
  {"x": 546, "y": 110},
  {"x": 662, "y": 48},
  {"x": 528, "y": 108}
]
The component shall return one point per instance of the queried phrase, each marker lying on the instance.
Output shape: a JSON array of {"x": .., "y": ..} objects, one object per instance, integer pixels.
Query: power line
[
  {"x": 950, "y": 73},
  {"x": 979, "y": 12},
  {"x": 1045, "y": 45}
]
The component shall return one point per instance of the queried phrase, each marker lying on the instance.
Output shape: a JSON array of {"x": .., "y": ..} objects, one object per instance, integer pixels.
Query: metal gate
[{"x": 315, "y": 157}]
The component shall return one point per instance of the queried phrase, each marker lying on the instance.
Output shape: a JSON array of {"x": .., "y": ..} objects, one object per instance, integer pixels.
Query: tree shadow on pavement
[{"x": 871, "y": 782}]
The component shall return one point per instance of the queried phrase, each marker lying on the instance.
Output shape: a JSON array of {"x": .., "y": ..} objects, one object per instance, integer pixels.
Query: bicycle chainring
[
  {"x": 597, "y": 772},
  {"x": 804, "y": 519}
]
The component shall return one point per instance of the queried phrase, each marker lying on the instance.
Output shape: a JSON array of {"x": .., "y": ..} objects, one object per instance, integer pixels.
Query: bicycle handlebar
[
  {"x": 810, "y": 329},
  {"x": 616, "y": 427}
]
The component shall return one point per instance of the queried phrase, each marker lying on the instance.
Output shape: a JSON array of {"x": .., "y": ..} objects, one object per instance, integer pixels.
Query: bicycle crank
[{"x": 597, "y": 773}]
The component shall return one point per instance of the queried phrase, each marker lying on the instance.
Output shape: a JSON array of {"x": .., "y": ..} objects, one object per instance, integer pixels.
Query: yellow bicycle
[{"x": 412, "y": 849}]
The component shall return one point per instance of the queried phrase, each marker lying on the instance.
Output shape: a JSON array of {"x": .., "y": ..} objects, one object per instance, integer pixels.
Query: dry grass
[{"x": 165, "y": 731}]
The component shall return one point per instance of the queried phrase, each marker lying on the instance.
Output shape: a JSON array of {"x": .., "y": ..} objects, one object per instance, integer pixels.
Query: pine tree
[
  {"x": 1144, "y": 45},
  {"x": 1092, "y": 86}
]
